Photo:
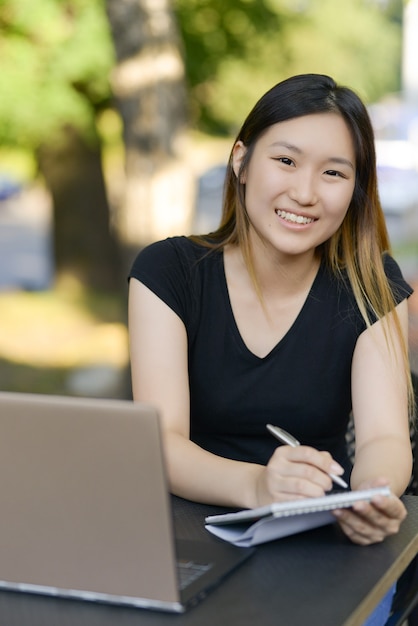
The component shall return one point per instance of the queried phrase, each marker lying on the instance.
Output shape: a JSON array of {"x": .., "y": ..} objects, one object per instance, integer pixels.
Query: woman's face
[{"x": 299, "y": 181}]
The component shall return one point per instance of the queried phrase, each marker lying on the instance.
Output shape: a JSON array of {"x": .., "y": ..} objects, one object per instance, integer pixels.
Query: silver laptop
[{"x": 85, "y": 509}]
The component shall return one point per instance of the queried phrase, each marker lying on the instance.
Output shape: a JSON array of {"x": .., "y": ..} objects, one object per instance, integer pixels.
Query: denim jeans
[{"x": 381, "y": 613}]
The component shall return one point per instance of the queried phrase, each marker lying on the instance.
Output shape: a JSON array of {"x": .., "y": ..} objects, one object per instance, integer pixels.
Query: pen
[{"x": 287, "y": 438}]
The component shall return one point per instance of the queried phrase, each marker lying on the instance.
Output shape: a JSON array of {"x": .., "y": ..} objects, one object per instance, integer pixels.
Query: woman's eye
[
  {"x": 335, "y": 174},
  {"x": 285, "y": 160}
]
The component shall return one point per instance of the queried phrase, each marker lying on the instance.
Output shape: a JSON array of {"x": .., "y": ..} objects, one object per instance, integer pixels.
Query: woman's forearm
[
  {"x": 388, "y": 457},
  {"x": 199, "y": 475}
]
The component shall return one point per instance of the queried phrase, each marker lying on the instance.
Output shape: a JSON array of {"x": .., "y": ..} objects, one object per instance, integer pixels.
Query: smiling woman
[
  {"x": 292, "y": 312},
  {"x": 293, "y": 171}
]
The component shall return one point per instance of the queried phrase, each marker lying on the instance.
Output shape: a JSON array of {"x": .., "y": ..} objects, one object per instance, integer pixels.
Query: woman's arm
[
  {"x": 383, "y": 447},
  {"x": 380, "y": 407},
  {"x": 158, "y": 345}
]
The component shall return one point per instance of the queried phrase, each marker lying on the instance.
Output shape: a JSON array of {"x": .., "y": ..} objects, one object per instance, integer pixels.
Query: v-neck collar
[{"x": 301, "y": 314}]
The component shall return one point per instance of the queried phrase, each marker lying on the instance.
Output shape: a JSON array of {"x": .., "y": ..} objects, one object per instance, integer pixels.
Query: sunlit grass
[
  {"x": 47, "y": 336},
  {"x": 66, "y": 327}
]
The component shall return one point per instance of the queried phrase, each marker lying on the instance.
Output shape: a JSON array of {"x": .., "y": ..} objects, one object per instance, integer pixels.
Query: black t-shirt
[{"x": 303, "y": 385}]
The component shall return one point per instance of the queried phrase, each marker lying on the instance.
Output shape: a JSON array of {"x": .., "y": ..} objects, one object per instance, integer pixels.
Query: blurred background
[{"x": 116, "y": 121}]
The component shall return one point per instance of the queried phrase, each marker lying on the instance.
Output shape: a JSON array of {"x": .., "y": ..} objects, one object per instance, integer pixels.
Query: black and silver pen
[{"x": 287, "y": 438}]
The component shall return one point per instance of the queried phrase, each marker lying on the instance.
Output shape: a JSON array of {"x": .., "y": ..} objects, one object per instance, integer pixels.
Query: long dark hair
[
  {"x": 364, "y": 226},
  {"x": 357, "y": 247}
]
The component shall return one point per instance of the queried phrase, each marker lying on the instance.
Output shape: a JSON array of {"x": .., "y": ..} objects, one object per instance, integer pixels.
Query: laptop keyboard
[{"x": 189, "y": 571}]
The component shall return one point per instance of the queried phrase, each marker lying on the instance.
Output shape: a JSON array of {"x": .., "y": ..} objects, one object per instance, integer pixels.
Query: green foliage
[
  {"x": 228, "y": 46},
  {"x": 236, "y": 49},
  {"x": 55, "y": 58},
  {"x": 361, "y": 48}
]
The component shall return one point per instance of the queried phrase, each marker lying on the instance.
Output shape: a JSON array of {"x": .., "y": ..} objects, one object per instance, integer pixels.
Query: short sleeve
[
  {"x": 164, "y": 268},
  {"x": 400, "y": 288}
]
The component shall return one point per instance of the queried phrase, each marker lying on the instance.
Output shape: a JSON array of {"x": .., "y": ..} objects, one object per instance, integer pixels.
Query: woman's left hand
[{"x": 371, "y": 522}]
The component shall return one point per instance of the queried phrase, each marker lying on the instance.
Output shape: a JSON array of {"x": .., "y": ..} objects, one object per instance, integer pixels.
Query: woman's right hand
[{"x": 295, "y": 473}]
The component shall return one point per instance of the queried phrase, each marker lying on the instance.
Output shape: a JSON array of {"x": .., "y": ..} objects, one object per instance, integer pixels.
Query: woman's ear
[{"x": 238, "y": 153}]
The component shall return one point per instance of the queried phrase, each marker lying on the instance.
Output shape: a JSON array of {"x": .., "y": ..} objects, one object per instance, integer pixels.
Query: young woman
[{"x": 292, "y": 313}]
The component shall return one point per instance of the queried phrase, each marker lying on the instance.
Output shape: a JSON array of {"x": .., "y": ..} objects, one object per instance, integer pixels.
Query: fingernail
[{"x": 336, "y": 468}]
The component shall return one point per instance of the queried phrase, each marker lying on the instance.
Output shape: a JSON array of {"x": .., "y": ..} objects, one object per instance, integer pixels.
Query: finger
[
  {"x": 362, "y": 535},
  {"x": 308, "y": 457},
  {"x": 359, "y": 529},
  {"x": 295, "y": 487},
  {"x": 382, "y": 508},
  {"x": 287, "y": 480},
  {"x": 298, "y": 475},
  {"x": 365, "y": 524},
  {"x": 320, "y": 459},
  {"x": 378, "y": 519},
  {"x": 389, "y": 506}
]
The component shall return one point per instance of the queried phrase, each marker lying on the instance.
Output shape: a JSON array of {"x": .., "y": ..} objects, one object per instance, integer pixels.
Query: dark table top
[{"x": 317, "y": 577}]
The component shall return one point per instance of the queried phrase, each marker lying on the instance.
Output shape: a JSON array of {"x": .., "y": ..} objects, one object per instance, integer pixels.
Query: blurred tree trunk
[
  {"x": 149, "y": 90},
  {"x": 84, "y": 245}
]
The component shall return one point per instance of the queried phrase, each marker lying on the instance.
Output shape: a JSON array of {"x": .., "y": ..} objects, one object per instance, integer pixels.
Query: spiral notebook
[{"x": 280, "y": 519}]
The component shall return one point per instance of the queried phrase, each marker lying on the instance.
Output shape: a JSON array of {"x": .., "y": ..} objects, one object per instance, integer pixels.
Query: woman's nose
[{"x": 303, "y": 190}]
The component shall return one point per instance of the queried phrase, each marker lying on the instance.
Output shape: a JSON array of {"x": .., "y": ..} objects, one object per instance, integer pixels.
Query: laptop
[{"x": 85, "y": 508}]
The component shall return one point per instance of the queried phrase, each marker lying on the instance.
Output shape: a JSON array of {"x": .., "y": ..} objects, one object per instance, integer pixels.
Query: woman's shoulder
[
  {"x": 392, "y": 270},
  {"x": 169, "y": 246},
  {"x": 180, "y": 246},
  {"x": 166, "y": 268},
  {"x": 173, "y": 251},
  {"x": 337, "y": 285},
  {"x": 178, "y": 264},
  {"x": 346, "y": 298}
]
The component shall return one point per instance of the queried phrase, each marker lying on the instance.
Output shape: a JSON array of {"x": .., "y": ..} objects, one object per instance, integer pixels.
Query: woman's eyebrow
[
  {"x": 285, "y": 144},
  {"x": 341, "y": 161},
  {"x": 293, "y": 148}
]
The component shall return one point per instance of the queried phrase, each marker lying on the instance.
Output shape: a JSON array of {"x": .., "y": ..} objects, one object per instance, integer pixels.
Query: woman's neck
[{"x": 279, "y": 272}]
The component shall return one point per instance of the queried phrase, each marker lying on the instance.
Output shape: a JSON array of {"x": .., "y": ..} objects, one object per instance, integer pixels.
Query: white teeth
[{"x": 292, "y": 217}]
